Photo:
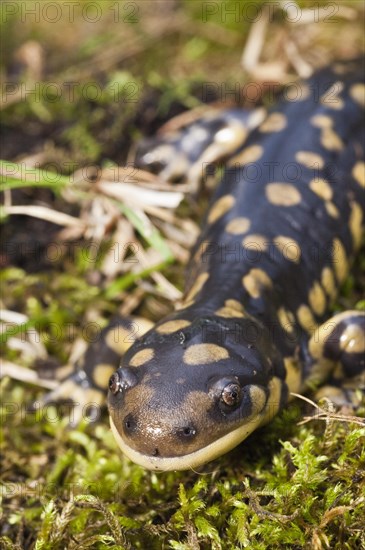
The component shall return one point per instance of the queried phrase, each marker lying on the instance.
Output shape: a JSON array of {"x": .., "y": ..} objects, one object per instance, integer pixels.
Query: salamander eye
[
  {"x": 231, "y": 394},
  {"x": 123, "y": 379},
  {"x": 115, "y": 385}
]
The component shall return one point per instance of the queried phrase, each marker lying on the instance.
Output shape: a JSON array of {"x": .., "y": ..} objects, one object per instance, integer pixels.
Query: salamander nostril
[
  {"x": 186, "y": 432},
  {"x": 130, "y": 424}
]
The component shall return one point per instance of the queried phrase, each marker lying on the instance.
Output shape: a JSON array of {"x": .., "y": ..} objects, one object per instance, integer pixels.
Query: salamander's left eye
[
  {"x": 123, "y": 379},
  {"x": 227, "y": 393},
  {"x": 231, "y": 394},
  {"x": 114, "y": 383}
]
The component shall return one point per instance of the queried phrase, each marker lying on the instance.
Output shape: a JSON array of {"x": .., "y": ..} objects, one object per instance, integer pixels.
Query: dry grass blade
[
  {"x": 303, "y": 68},
  {"x": 255, "y": 42},
  {"x": 14, "y": 317},
  {"x": 133, "y": 196},
  {"x": 326, "y": 415},
  {"x": 23, "y": 374},
  {"x": 44, "y": 213},
  {"x": 148, "y": 259}
]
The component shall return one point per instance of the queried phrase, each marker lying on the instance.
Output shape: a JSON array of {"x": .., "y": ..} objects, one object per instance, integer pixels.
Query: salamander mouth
[{"x": 190, "y": 460}]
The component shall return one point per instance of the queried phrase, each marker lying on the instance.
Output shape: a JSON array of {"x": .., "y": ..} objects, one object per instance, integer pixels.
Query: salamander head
[{"x": 183, "y": 398}]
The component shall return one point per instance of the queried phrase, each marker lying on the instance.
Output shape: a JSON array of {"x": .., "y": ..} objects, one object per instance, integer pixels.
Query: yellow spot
[
  {"x": 258, "y": 399},
  {"x": 119, "y": 339},
  {"x": 232, "y": 136},
  {"x": 255, "y": 280},
  {"x": 250, "y": 154},
  {"x": 203, "y": 354},
  {"x": 142, "y": 357},
  {"x": 234, "y": 304},
  {"x": 322, "y": 188},
  {"x": 357, "y": 92},
  {"x": 275, "y": 122},
  {"x": 172, "y": 326},
  {"x": 293, "y": 374},
  {"x": 317, "y": 299},
  {"x": 323, "y": 366},
  {"x": 339, "y": 259},
  {"x": 229, "y": 312},
  {"x": 355, "y": 223},
  {"x": 255, "y": 242},
  {"x": 328, "y": 282},
  {"x": 352, "y": 340},
  {"x": 286, "y": 319},
  {"x": 282, "y": 194},
  {"x": 330, "y": 140},
  {"x": 231, "y": 308},
  {"x": 238, "y": 226},
  {"x": 358, "y": 173},
  {"x": 332, "y": 209},
  {"x": 321, "y": 121},
  {"x": 197, "y": 286},
  {"x": 220, "y": 208},
  {"x": 306, "y": 319},
  {"x": 289, "y": 248},
  {"x": 101, "y": 374},
  {"x": 309, "y": 159},
  {"x": 273, "y": 403}
]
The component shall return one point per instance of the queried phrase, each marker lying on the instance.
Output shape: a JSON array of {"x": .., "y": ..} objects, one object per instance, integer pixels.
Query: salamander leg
[
  {"x": 337, "y": 352},
  {"x": 86, "y": 386},
  {"x": 182, "y": 154}
]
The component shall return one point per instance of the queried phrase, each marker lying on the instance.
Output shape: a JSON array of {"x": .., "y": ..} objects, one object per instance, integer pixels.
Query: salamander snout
[
  {"x": 147, "y": 422},
  {"x": 154, "y": 434},
  {"x": 132, "y": 428},
  {"x": 158, "y": 439}
]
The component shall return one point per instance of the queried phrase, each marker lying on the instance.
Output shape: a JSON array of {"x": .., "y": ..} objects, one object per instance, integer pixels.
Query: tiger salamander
[{"x": 254, "y": 324}]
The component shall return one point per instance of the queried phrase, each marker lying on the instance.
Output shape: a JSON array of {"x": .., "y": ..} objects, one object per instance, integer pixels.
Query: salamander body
[{"x": 254, "y": 325}]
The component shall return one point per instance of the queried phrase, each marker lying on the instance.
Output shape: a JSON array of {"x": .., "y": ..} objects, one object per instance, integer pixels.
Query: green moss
[{"x": 310, "y": 489}]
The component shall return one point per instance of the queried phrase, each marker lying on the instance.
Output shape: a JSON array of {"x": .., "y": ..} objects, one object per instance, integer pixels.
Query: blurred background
[{"x": 82, "y": 79}]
